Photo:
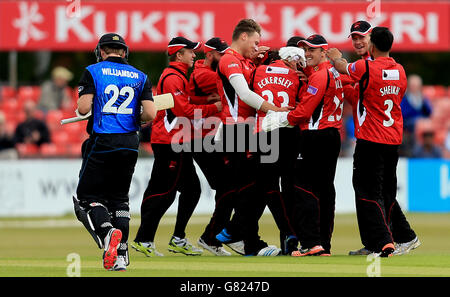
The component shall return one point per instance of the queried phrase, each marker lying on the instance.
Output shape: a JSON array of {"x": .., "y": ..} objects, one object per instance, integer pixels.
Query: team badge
[{"x": 312, "y": 90}]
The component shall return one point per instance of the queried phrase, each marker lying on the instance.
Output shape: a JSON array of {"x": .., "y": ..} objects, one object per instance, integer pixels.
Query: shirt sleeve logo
[
  {"x": 353, "y": 67},
  {"x": 312, "y": 90},
  {"x": 393, "y": 74}
]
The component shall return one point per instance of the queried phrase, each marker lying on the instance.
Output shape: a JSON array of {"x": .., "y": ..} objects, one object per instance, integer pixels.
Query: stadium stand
[{"x": 67, "y": 139}]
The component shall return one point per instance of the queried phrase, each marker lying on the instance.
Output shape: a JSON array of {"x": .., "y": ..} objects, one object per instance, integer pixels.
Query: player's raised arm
[{"x": 340, "y": 64}]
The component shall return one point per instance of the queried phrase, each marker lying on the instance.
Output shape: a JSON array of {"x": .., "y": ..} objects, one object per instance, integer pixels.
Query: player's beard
[{"x": 214, "y": 64}]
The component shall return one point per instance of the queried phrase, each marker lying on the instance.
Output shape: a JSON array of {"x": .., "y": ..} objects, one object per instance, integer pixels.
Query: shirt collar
[
  {"x": 116, "y": 60},
  {"x": 234, "y": 53},
  {"x": 323, "y": 65},
  {"x": 180, "y": 66}
]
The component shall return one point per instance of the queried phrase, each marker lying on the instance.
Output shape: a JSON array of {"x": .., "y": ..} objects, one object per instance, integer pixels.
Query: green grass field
[{"x": 40, "y": 246}]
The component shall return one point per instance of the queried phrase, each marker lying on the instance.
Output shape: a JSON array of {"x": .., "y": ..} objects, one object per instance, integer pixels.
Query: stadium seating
[
  {"x": 67, "y": 139},
  {"x": 7, "y": 92},
  {"x": 27, "y": 150}
]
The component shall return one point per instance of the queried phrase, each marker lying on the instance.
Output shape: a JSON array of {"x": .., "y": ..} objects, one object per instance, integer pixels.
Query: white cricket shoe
[
  {"x": 216, "y": 250},
  {"x": 269, "y": 251},
  {"x": 120, "y": 265},
  {"x": 406, "y": 247}
]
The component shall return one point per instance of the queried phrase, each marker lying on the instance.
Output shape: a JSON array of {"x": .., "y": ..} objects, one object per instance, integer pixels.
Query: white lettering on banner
[
  {"x": 445, "y": 182},
  {"x": 257, "y": 12},
  {"x": 29, "y": 15},
  {"x": 326, "y": 27},
  {"x": 121, "y": 23},
  {"x": 182, "y": 24},
  {"x": 432, "y": 27},
  {"x": 407, "y": 23},
  {"x": 145, "y": 25},
  {"x": 78, "y": 25},
  {"x": 410, "y": 24},
  {"x": 208, "y": 25},
  {"x": 297, "y": 24},
  {"x": 64, "y": 25}
]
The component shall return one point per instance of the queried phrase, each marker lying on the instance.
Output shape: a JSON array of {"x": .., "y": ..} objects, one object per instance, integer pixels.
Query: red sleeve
[
  {"x": 356, "y": 69},
  {"x": 346, "y": 79},
  {"x": 351, "y": 94},
  {"x": 310, "y": 100},
  {"x": 229, "y": 66},
  {"x": 182, "y": 106},
  {"x": 206, "y": 80}
]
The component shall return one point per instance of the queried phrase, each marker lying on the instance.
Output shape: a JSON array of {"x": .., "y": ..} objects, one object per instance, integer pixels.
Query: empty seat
[
  {"x": 27, "y": 149},
  {"x": 53, "y": 119},
  {"x": 60, "y": 137},
  {"x": 29, "y": 92},
  {"x": 7, "y": 92},
  {"x": 53, "y": 150},
  {"x": 9, "y": 105}
]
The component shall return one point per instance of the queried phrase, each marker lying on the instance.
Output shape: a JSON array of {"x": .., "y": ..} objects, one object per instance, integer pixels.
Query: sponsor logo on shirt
[
  {"x": 312, "y": 90},
  {"x": 353, "y": 67},
  {"x": 393, "y": 74},
  {"x": 233, "y": 65}
]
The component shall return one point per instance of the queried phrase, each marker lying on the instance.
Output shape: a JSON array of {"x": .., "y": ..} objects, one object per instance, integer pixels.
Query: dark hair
[
  {"x": 271, "y": 57},
  {"x": 382, "y": 38},
  {"x": 248, "y": 26},
  {"x": 294, "y": 40}
]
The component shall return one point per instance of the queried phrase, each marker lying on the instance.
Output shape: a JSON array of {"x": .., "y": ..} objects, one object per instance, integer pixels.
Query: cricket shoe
[
  {"x": 404, "y": 248},
  {"x": 112, "y": 241},
  {"x": 269, "y": 251},
  {"x": 214, "y": 249},
  {"x": 361, "y": 252},
  {"x": 226, "y": 238},
  {"x": 314, "y": 251},
  {"x": 182, "y": 246},
  {"x": 120, "y": 265},
  {"x": 387, "y": 250},
  {"x": 147, "y": 248}
]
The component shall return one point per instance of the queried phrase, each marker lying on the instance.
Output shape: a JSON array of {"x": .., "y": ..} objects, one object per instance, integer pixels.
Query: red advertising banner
[{"x": 77, "y": 24}]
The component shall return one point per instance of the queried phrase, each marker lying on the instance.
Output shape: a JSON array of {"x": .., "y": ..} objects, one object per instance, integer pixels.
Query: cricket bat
[{"x": 164, "y": 101}]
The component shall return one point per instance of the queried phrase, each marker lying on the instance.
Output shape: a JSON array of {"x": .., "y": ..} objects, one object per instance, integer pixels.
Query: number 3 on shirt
[
  {"x": 123, "y": 108},
  {"x": 390, "y": 120}
]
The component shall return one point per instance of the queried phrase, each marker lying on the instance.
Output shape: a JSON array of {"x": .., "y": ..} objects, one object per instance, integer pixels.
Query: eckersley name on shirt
[{"x": 275, "y": 80}]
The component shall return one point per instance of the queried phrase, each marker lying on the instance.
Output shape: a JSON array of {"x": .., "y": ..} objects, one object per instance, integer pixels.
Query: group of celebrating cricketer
[{"x": 272, "y": 118}]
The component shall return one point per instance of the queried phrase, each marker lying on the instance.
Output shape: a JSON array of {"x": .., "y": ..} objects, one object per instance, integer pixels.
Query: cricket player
[
  {"x": 378, "y": 129},
  {"x": 278, "y": 82},
  {"x": 405, "y": 238},
  {"x": 203, "y": 90},
  {"x": 173, "y": 170},
  {"x": 237, "y": 190},
  {"x": 319, "y": 115},
  {"x": 113, "y": 91}
]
